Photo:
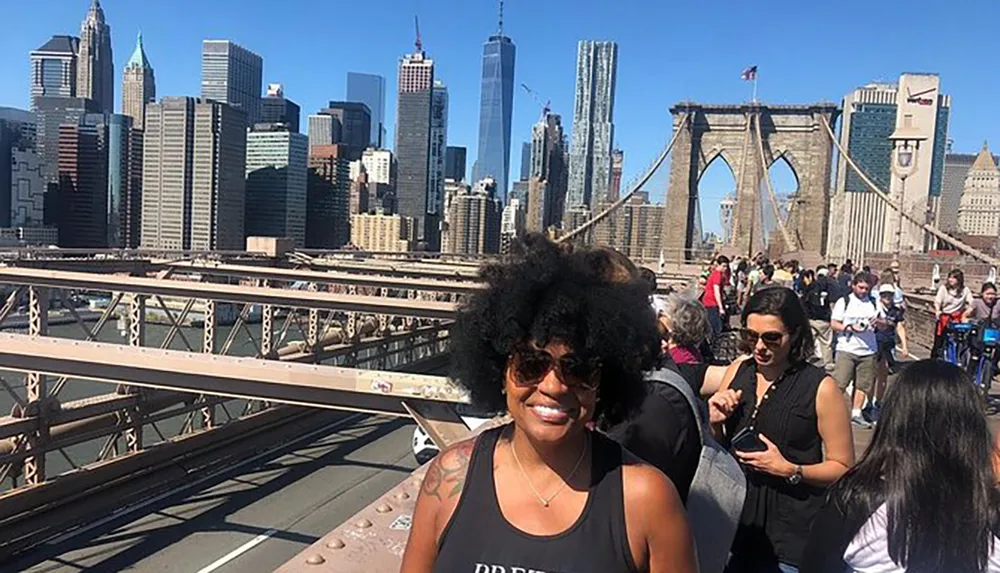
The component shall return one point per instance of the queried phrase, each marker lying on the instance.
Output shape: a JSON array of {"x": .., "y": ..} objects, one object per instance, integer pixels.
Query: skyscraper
[
  {"x": 546, "y": 199},
  {"x": 22, "y": 185},
  {"x": 194, "y": 175},
  {"x": 355, "y": 121},
  {"x": 124, "y": 182},
  {"x": 51, "y": 113},
  {"x": 54, "y": 68},
  {"x": 323, "y": 130},
  {"x": 275, "y": 108},
  {"x": 593, "y": 127},
  {"x": 956, "y": 168},
  {"x": 861, "y": 222},
  {"x": 232, "y": 74},
  {"x": 413, "y": 140},
  {"x": 979, "y": 211},
  {"x": 83, "y": 182},
  {"x": 138, "y": 85},
  {"x": 525, "y": 161},
  {"x": 439, "y": 145},
  {"x": 277, "y": 165},
  {"x": 95, "y": 78},
  {"x": 328, "y": 198},
  {"x": 369, "y": 89},
  {"x": 454, "y": 163},
  {"x": 496, "y": 105}
]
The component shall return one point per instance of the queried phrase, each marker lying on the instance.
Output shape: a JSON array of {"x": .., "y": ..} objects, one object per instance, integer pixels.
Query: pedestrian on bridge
[
  {"x": 556, "y": 346},
  {"x": 788, "y": 424},
  {"x": 924, "y": 496}
]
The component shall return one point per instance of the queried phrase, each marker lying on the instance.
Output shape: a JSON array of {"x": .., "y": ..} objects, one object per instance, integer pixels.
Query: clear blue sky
[{"x": 668, "y": 52}]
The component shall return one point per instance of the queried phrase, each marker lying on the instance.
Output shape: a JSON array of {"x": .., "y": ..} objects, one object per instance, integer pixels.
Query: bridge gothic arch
[{"x": 794, "y": 133}]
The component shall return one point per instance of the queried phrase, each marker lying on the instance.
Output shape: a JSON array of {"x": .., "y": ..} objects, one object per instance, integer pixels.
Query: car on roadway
[{"x": 424, "y": 449}]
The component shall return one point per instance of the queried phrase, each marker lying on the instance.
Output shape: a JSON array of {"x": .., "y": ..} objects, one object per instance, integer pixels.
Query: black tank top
[
  {"x": 478, "y": 539},
  {"x": 776, "y": 515}
]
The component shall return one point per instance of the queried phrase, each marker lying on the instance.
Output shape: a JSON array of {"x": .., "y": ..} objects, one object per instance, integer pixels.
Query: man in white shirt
[{"x": 854, "y": 319}]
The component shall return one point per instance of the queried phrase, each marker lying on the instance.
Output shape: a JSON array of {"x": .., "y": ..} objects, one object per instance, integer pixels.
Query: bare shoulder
[
  {"x": 446, "y": 475},
  {"x": 645, "y": 486},
  {"x": 828, "y": 391}
]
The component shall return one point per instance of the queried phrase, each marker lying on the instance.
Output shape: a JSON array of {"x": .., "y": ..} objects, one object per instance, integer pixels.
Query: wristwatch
[{"x": 796, "y": 478}]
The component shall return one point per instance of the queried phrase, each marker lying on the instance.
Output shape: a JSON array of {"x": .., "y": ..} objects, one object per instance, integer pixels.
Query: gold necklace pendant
[{"x": 546, "y": 501}]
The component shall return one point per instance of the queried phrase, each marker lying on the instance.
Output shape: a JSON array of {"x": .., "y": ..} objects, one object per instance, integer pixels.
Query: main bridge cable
[
  {"x": 790, "y": 244},
  {"x": 971, "y": 251},
  {"x": 635, "y": 188}
]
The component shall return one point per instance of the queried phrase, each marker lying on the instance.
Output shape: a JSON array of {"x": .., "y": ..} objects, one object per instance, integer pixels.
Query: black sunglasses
[
  {"x": 771, "y": 338},
  {"x": 532, "y": 364}
]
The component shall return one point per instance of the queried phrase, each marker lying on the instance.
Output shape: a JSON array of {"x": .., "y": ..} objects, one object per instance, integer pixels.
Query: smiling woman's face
[{"x": 548, "y": 402}]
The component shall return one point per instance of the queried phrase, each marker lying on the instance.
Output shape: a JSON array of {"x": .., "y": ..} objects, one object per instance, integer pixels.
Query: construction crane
[
  {"x": 546, "y": 109},
  {"x": 419, "y": 44}
]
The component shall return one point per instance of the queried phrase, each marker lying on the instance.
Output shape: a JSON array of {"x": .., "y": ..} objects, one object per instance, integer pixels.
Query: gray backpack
[{"x": 715, "y": 501}]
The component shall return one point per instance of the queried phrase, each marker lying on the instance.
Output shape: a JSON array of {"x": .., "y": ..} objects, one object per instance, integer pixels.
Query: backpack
[{"x": 715, "y": 500}]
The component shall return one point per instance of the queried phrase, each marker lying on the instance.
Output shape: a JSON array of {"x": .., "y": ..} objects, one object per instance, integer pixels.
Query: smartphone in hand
[{"x": 747, "y": 440}]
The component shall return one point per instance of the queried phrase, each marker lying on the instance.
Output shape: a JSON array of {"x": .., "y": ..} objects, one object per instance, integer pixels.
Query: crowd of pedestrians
[{"x": 631, "y": 446}]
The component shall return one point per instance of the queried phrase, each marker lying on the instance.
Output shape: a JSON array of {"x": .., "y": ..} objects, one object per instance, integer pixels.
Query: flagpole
[{"x": 755, "y": 88}]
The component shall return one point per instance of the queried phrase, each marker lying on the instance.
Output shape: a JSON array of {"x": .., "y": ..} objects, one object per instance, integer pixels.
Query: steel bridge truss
[{"x": 368, "y": 325}]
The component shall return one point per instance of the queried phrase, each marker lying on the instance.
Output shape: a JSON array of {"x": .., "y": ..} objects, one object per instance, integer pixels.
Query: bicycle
[
  {"x": 956, "y": 349},
  {"x": 983, "y": 368}
]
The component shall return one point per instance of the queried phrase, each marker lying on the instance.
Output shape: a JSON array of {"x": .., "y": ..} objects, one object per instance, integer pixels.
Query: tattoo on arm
[{"x": 446, "y": 476}]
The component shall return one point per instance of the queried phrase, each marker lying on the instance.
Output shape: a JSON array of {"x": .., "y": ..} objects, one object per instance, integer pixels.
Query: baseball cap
[
  {"x": 823, "y": 272},
  {"x": 887, "y": 289}
]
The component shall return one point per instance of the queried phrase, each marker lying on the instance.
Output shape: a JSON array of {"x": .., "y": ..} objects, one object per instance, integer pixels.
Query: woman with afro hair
[{"x": 559, "y": 348}]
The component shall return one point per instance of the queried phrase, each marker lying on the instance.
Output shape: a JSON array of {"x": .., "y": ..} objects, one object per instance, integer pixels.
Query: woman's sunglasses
[
  {"x": 532, "y": 364},
  {"x": 771, "y": 338}
]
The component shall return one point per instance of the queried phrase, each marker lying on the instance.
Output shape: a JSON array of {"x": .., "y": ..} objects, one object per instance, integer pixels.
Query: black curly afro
[{"x": 548, "y": 292}]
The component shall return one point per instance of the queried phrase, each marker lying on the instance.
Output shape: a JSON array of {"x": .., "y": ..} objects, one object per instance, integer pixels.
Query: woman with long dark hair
[
  {"x": 924, "y": 497},
  {"x": 788, "y": 424}
]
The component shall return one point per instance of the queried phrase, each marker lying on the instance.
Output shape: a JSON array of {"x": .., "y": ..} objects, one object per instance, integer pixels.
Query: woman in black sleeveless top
[
  {"x": 555, "y": 345},
  {"x": 780, "y": 415}
]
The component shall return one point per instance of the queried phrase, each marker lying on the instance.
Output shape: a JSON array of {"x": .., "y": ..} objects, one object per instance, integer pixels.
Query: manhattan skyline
[{"x": 660, "y": 62}]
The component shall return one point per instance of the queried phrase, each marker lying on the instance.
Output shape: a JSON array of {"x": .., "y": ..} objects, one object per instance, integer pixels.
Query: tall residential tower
[
  {"x": 593, "y": 127},
  {"x": 495, "y": 107},
  {"x": 95, "y": 78},
  {"x": 413, "y": 142}
]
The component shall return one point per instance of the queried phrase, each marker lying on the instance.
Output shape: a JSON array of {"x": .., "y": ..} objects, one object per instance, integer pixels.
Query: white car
[{"x": 423, "y": 447}]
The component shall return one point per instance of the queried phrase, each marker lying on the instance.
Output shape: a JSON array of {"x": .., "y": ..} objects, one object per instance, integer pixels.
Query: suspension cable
[
  {"x": 789, "y": 243},
  {"x": 735, "y": 233},
  {"x": 635, "y": 188},
  {"x": 971, "y": 251}
]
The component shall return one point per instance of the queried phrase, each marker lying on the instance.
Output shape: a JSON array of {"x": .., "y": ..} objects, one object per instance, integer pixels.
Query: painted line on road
[
  {"x": 197, "y": 482},
  {"x": 238, "y": 551}
]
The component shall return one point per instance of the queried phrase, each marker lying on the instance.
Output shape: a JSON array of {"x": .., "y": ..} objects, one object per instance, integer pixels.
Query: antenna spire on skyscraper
[
  {"x": 500, "y": 25},
  {"x": 419, "y": 44}
]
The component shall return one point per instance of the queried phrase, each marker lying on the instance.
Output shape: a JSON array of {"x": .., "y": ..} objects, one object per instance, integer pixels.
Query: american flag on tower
[{"x": 749, "y": 74}]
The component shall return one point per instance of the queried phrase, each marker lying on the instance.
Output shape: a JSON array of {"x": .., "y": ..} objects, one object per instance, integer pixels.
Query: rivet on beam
[
  {"x": 315, "y": 559},
  {"x": 363, "y": 524},
  {"x": 402, "y": 496},
  {"x": 383, "y": 508},
  {"x": 335, "y": 543}
]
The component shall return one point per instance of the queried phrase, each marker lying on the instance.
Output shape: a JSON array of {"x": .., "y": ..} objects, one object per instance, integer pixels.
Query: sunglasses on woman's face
[
  {"x": 532, "y": 364},
  {"x": 771, "y": 338}
]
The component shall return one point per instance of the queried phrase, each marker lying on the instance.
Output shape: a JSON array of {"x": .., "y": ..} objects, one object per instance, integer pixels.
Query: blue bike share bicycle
[
  {"x": 974, "y": 348},
  {"x": 956, "y": 348}
]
